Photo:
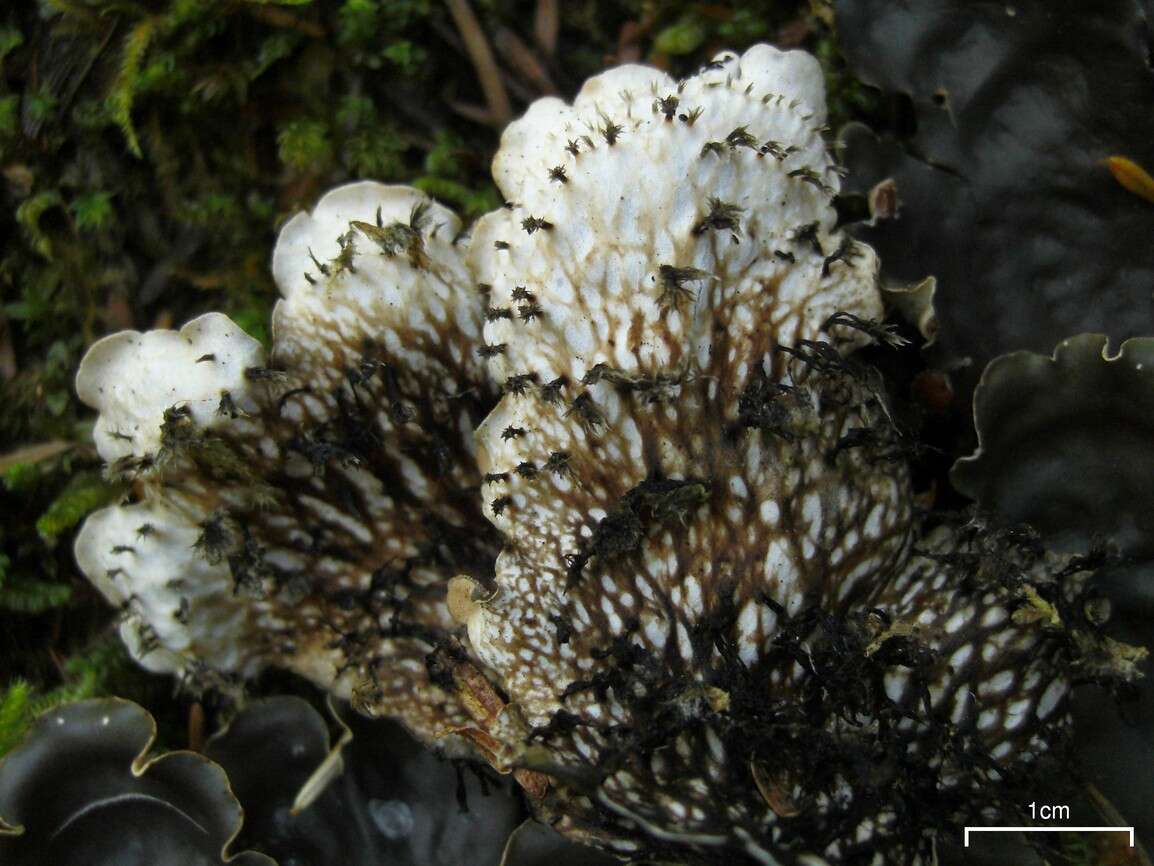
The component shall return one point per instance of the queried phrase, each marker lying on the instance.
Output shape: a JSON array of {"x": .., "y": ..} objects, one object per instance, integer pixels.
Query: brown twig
[
  {"x": 630, "y": 37},
  {"x": 34, "y": 453},
  {"x": 277, "y": 17},
  {"x": 524, "y": 62},
  {"x": 1110, "y": 813},
  {"x": 546, "y": 24},
  {"x": 476, "y": 113},
  {"x": 8, "y": 366},
  {"x": 483, "y": 61},
  {"x": 196, "y": 727}
]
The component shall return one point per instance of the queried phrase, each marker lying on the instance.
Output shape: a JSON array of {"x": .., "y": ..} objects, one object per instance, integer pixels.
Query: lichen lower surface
[
  {"x": 304, "y": 509},
  {"x": 691, "y": 480},
  {"x": 700, "y": 620}
]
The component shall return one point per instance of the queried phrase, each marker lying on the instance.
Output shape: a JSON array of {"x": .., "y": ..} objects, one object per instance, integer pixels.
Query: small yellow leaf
[{"x": 1132, "y": 176}]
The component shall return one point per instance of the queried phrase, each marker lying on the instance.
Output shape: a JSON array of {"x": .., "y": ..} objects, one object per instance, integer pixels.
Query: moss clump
[
  {"x": 103, "y": 668},
  {"x": 83, "y": 494}
]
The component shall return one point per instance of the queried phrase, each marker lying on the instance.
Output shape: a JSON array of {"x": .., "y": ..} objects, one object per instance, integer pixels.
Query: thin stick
[
  {"x": 483, "y": 61},
  {"x": 286, "y": 20},
  {"x": 196, "y": 727},
  {"x": 518, "y": 55},
  {"x": 546, "y": 24},
  {"x": 1110, "y": 812}
]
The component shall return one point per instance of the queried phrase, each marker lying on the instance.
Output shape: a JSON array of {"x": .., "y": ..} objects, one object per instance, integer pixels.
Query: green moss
[
  {"x": 358, "y": 21},
  {"x": 29, "y": 596},
  {"x": 747, "y": 25},
  {"x": 406, "y": 56},
  {"x": 273, "y": 49},
  {"x": 847, "y": 98},
  {"x": 20, "y": 477},
  {"x": 376, "y": 152},
  {"x": 9, "y": 115},
  {"x": 102, "y": 668},
  {"x": 10, "y": 40},
  {"x": 253, "y": 317},
  {"x": 471, "y": 202},
  {"x": 213, "y": 211},
  {"x": 85, "y": 493},
  {"x": 129, "y": 82},
  {"x": 40, "y": 107},
  {"x": 29, "y": 214},
  {"x": 305, "y": 145},
  {"x": 15, "y": 713},
  {"x": 448, "y": 165},
  {"x": 361, "y": 22},
  {"x": 682, "y": 37},
  {"x": 93, "y": 211},
  {"x": 446, "y": 158}
]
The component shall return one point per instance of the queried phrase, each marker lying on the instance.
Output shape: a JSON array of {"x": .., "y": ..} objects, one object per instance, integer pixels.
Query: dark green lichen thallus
[
  {"x": 393, "y": 802},
  {"x": 1003, "y": 187},
  {"x": 82, "y": 791},
  {"x": 1066, "y": 443}
]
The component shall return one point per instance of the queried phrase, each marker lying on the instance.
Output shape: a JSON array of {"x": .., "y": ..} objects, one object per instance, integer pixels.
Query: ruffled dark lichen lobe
[
  {"x": 1003, "y": 190},
  {"x": 392, "y": 802},
  {"x": 81, "y": 789},
  {"x": 1064, "y": 443}
]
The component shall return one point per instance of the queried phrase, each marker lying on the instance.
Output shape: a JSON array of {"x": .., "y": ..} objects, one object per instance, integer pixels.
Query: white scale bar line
[{"x": 1128, "y": 830}]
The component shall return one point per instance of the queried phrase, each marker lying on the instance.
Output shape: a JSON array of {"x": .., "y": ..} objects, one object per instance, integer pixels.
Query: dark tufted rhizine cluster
[{"x": 701, "y": 618}]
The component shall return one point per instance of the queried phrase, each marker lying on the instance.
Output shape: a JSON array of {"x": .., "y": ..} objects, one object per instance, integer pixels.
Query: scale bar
[{"x": 1128, "y": 830}]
